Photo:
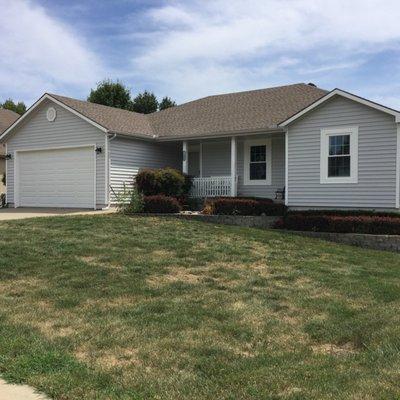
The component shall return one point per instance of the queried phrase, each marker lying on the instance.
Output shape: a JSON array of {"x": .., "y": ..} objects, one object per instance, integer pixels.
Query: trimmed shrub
[
  {"x": 377, "y": 225},
  {"x": 161, "y": 204},
  {"x": 147, "y": 182},
  {"x": 243, "y": 206},
  {"x": 166, "y": 181},
  {"x": 193, "y": 204},
  {"x": 350, "y": 213}
]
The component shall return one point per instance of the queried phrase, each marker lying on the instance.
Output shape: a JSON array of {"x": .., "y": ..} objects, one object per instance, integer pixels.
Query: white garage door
[{"x": 56, "y": 178}]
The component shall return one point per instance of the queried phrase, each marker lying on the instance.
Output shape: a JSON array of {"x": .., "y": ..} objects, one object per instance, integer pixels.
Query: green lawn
[{"x": 111, "y": 307}]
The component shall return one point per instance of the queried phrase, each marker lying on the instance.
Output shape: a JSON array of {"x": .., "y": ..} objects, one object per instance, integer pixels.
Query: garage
[{"x": 63, "y": 177}]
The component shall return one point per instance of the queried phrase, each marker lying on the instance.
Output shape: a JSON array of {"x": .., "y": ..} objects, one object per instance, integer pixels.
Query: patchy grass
[{"x": 110, "y": 307}]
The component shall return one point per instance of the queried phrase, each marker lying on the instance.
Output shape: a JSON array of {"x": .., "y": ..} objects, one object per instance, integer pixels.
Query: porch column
[
  {"x": 233, "y": 166},
  {"x": 185, "y": 157}
]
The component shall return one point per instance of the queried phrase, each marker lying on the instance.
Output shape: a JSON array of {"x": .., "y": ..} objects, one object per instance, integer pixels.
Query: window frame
[
  {"x": 326, "y": 133},
  {"x": 268, "y": 155}
]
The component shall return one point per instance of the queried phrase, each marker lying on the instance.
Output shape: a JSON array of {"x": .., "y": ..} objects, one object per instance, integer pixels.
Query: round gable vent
[{"x": 51, "y": 114}]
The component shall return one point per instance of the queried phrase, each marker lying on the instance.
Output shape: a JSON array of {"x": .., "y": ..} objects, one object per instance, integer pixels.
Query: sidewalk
[{"x": 18, "y": 392}]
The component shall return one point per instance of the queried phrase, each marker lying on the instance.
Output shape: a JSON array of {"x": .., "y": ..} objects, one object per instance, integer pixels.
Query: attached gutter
[
  {"x": 133, "y": 136},
  {"x": 218, "y": 135}
]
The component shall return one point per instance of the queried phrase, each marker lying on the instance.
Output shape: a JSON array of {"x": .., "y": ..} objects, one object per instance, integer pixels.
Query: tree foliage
[
  {"x": 19, "y": 107},
  {"x": 116, "y": 94},
  {"x": 145, "y": 103},
  {"x": 112, "y": 94},
  {"x": 166, "y": 102}
]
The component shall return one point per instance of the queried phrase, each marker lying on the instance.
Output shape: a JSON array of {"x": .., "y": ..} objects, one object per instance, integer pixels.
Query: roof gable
[
  {"x": 34, "y": 107},
  {"x": 347, "y": 95},
  {"x": 114, "y": 120}
]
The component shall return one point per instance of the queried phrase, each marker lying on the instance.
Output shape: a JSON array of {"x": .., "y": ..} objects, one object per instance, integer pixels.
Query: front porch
[
  {"x": 213, "y": 186},
  {"x": 246, "y": 166}
]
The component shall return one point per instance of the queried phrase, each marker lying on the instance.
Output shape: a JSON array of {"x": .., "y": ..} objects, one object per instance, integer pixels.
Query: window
[
  {"x": 257, "y": 159},
  {"x": 258, "y": 162},
  {"x": 339, "y": 155}
]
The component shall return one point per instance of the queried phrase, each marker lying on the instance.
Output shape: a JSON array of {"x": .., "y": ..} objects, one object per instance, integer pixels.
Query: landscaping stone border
[{"x": 376, "y": 242}]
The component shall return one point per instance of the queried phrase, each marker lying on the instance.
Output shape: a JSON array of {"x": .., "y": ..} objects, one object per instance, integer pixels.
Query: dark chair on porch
[{"x": 280, "y": 194}]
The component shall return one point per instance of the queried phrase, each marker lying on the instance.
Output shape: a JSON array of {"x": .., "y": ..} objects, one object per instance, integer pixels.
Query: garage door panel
[{"x": 57, "y": 178}]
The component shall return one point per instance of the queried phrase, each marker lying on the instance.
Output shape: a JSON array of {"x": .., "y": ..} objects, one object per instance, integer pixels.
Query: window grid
[
  {"x": 339, "y": 156},
  {"x": 258, "y": 162}
]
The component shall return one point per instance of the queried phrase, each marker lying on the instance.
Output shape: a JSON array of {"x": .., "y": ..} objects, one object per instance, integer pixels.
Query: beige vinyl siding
[
  {"x": 376, "y": 185},
  {"x": 128, "y": 156},
  {"x": 67, "y": 130}
]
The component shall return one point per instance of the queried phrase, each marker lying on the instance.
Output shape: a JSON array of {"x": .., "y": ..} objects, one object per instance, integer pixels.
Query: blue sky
[{"x": 193, "y": 48}]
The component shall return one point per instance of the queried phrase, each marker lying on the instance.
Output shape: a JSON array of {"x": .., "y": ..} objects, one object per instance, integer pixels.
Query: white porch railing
[{"x": 213, "y": 186}]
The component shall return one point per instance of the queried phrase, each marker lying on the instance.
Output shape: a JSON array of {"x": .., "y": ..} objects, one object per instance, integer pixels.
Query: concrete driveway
[
  {"x": 18, "y": 392},
  {"x": 7, "y": 214}
]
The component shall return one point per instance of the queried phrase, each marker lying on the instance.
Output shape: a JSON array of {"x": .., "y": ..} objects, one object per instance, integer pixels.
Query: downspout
[
  {"x": 286, "y": 166},
  {"x": 107, "y": 160}
]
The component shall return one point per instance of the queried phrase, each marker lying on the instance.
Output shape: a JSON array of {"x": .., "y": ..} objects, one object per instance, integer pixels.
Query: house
[
  {"x": 324, "y": 149},
  {"x": 7, "y": 117}
]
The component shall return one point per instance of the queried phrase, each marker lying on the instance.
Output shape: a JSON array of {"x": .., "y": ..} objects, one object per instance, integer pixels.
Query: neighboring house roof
[
  {"x": 347, "y": 95},
  {"x": 7, "y": 117}
]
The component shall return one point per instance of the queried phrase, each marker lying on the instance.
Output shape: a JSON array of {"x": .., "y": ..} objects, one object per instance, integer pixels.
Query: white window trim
[
  {"x": 325, "y": 134},
  {"x": 257, "y": 142}
]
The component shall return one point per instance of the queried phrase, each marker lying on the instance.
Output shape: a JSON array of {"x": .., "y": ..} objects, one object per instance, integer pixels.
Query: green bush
[
  {"x": 166, "y": 181},
  {"x": 161, "y": 204},
  {"x": 367, "y": 224},
  {"x": 130, "y": 200},
  {"x": 243, "y": 206}
]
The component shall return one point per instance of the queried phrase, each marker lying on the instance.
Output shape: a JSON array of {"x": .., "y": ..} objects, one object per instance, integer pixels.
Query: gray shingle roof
[
  {"x": 227, "y": 113},
  {"x": 113, "y": 119},
  {"x": 7, "y": 117}
]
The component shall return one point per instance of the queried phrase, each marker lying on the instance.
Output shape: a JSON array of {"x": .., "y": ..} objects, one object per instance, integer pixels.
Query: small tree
[
  {"x": 19, "y": 107},
  {"x": 112, "y": 94},
  {"x": 166, "y": 102},
  {"x": 129, "y": 200},
  {"x": 145, "y": 103}
]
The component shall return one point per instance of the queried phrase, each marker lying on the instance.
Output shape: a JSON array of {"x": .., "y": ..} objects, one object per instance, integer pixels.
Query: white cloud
[
  {"x": 199, "y": 46},
  {"x": 191, "y": 48},
  {"x": 38, "y": 53}
]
